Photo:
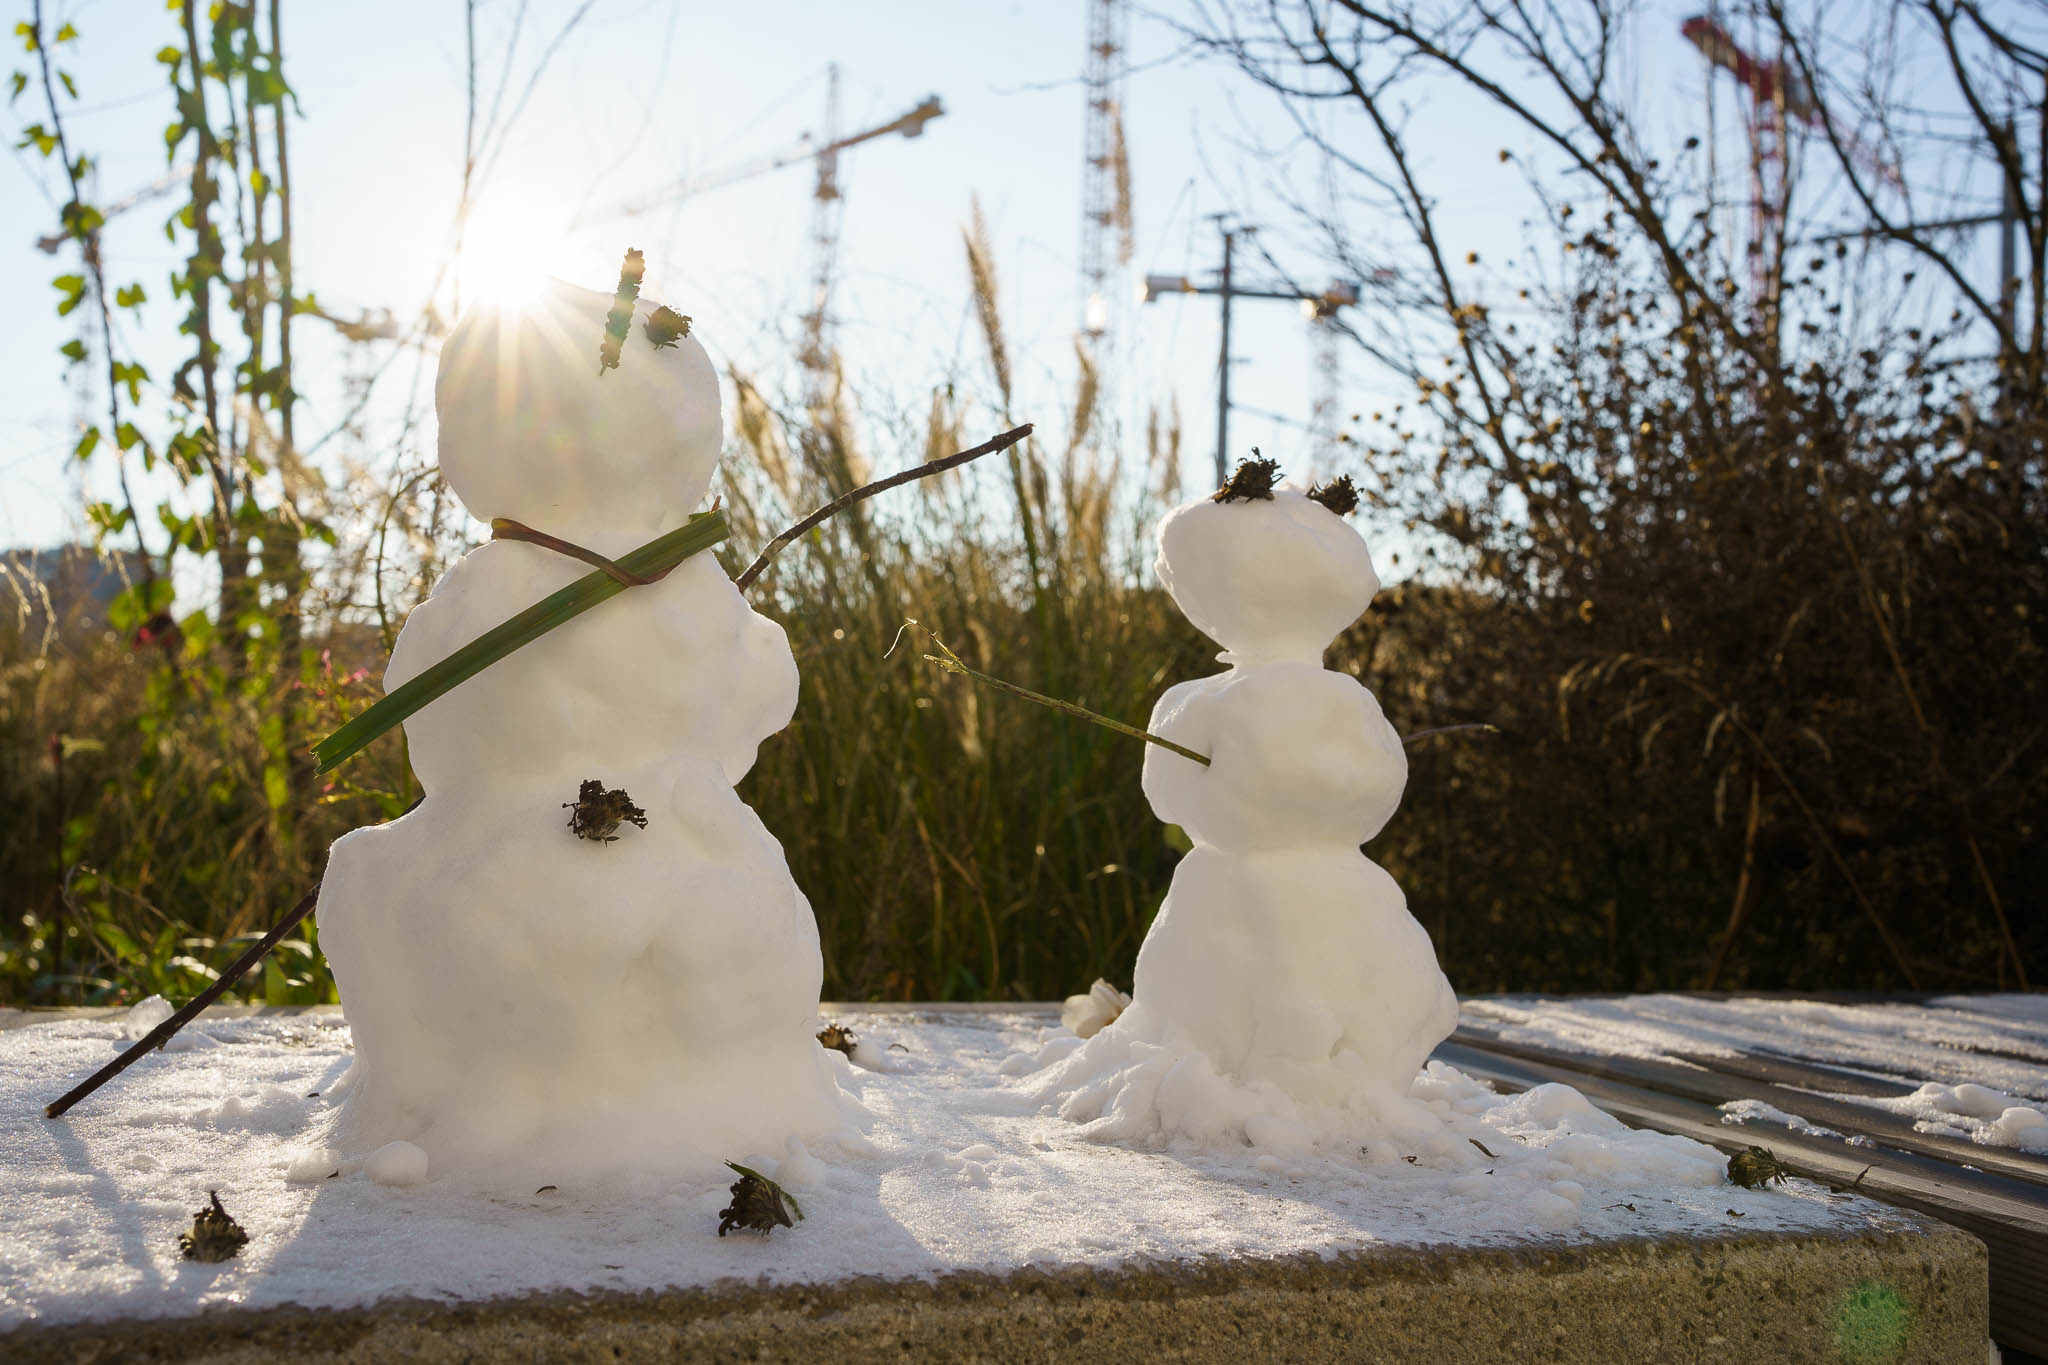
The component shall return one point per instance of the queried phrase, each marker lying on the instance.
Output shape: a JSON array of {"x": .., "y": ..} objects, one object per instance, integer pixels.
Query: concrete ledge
[{"x": 1919, "y": 1296}]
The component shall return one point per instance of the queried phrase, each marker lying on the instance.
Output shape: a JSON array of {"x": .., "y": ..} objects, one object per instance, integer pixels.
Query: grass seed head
[{"x": 619, "y": 321}]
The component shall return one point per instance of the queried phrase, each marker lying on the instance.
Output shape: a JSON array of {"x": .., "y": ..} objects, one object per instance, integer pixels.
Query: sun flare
[{"x": 501, "y": 265}]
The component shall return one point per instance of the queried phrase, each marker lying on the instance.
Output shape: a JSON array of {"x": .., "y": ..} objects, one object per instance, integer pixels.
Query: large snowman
[
  {"x": 527, "y": 1001},
  {"x": 1284, "y": 995}
]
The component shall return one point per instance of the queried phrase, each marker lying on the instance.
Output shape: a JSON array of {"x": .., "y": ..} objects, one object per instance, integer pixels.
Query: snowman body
[
  {"x": 523, "y": 1001},
  {"x": 1283, "y": 993}
]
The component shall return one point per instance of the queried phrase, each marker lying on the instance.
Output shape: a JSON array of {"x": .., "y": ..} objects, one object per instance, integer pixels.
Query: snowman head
[
  {"x": 1270, "y": 579},
  {"x": 531, "y": 431}
]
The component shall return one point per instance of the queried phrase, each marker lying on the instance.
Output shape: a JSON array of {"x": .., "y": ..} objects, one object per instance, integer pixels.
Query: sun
[{"x": 501, "y": 263}]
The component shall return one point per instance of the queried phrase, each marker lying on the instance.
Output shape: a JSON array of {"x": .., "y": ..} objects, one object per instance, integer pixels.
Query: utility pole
[
  {"x": 1223, "y": 365},
  {"x": 1321, "y": 307}
]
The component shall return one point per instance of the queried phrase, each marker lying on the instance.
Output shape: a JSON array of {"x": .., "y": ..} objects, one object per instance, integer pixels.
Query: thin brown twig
[
  {"x": 844, "y": 501},
  {"x": 161, "y": 1034},
  {"x": 1449, "y": 730},
  {"x": 950, "y": 662}
]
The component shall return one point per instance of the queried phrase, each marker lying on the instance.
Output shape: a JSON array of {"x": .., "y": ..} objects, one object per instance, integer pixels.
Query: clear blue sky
[{"x": 642, "y": 93}]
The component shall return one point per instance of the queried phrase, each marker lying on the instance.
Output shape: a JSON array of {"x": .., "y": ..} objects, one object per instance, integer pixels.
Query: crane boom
[{"x": 909, "y": 124}]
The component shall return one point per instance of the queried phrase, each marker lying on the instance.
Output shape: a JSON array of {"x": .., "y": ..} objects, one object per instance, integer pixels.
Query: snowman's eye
[
  {"x": 1253, "y": 480},
  {"x": 620, "y": 320}
]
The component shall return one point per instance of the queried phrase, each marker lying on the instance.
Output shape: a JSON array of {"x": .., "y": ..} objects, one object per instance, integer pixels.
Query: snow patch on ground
[
  {"x": 1998, "y": 1041},
  {"x": 93, "y": 1203},
  {"x": 1756, "y": 1111},
  {"x": 1975, "y": 1113}
]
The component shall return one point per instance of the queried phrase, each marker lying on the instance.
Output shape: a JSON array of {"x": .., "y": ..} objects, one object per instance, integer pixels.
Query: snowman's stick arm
[
  {"x": 950, "y": 662},
  {"x": 840, "y": 504}
]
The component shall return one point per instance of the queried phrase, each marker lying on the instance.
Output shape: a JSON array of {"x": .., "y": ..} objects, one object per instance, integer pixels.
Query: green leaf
[
  {"x": 138, "y": 603},
  {"x": 258, "y": 181},
  {"x": 87, "y": 443},
  {"x": 30, "y": 40},
  {"x": 72, "y": 287},
  {"x": 277, "y": 788},
  {"x": 106, "y": 521},
  {"x": 67, "y": 34},
  {"x": 72, "y": 350},
  {"x": 276, "y": 990},
  {"x": 70, "y": 86},
  {"x": 132, "y": 375},
  {"x": 82, "y": 220},
  {"x": 20, "y": 82},
  {"x": 129, "y": 296},
  {"x": 127, "y": 437},
  {"x": 117, "y": 941},
  {"x": 700, "y": 533},
  {"x": 169, "y": 56}
]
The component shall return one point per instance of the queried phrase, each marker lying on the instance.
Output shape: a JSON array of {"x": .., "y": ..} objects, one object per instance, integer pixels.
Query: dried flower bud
[
  {"x": 1756, "y": 1167},
  {"x": 596, "y": 812},
  {"x": 1340, "y": 495},
  {"x": 1253, "y": 480},
  {"x": 214, "y": 1236},
  {"x": 837, "y": 1038},
  {"x": 665, "y": 327},
  {"x": 758, "y": 1204}
]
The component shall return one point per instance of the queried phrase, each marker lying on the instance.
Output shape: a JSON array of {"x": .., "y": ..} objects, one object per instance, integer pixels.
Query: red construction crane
[{"x": 1778, "y": 95}]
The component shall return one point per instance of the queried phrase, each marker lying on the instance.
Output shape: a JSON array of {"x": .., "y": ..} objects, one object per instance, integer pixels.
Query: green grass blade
[{"x": 665, "y": 552}]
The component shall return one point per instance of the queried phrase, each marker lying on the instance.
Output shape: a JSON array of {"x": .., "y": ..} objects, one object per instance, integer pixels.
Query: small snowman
[
  {"x": 1284, "y": 994},
  {"x": 626, "y": 985}
]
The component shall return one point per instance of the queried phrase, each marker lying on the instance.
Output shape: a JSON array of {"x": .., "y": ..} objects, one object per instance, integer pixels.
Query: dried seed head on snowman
[
  {"x": 1283, "y": 995},
  {"x": 525, "y": 1002}
]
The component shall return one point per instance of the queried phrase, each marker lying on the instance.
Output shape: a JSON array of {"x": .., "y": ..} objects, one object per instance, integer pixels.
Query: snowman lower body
[
  {"x": 527, "y": 1004},
  {"x": 1284, "y": 998}
]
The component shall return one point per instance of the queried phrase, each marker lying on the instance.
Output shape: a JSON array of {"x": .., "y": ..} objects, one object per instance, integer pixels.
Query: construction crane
[
  {"x": 1105, "y": 169},
  {"x": 1778, "y": 96},
  {"x": 824, "y": 149}
]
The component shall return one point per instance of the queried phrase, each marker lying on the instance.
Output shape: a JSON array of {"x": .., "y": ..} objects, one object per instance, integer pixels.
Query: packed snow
[
  {"x": 525, "y": 1000},
  {"x": 951, "y": 1177},
  {"x": 1283, "y": 995}
]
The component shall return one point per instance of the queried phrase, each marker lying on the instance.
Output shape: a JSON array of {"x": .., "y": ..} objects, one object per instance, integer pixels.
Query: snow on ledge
[{"x": 93, "y": 1203}]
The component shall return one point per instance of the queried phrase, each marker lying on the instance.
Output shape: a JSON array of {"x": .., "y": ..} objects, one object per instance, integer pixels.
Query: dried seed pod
[
  {"x": 1340, "y": 495},
  {"x": 596, "y": 812},
  {"x": 838, "y": 1038},
  {"x": 214, "y": 1236},
  {"x": 665, "y": 327},
  {"x": 1252, "y": 481},
  {"x": 758, "y": 1204},
  {"x": 619, "y": 321},
  {"x": 1756, "y": 1167}
]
